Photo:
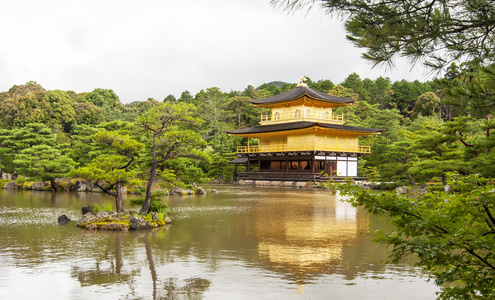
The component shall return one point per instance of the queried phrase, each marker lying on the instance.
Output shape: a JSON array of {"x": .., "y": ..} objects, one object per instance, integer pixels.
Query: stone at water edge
[
  {"x": 11, "y": 185},
  {"x": 200, "y": 191},
  {"x": 177, "y": 191},
  {"x": 5, "y": 176},
  {"x": 401, "y": 190},
  {"x": 79, "y": 186},
  {"x": 214, "y": 191},
  {"x": 86, "y": 209},
  {"x": 137, "y": 223},
  {"x": 39, "y": 186},
  {"x": 63, "y": 220}
]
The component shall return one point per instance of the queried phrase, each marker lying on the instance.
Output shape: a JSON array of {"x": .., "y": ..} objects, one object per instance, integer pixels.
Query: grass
[
  {"x": 107, "y": 206},
  {"x": 160, "y": 217},
  {"x": 96, "y": 208},
  {"x": 161, "y": 213}
]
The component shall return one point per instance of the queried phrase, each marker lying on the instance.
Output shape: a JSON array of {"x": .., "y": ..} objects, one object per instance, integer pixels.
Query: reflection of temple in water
[{"x": 312, "y": 239}]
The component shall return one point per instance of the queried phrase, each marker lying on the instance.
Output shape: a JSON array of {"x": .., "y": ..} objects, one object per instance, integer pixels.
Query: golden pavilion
[{"x": 302, "y": 139}]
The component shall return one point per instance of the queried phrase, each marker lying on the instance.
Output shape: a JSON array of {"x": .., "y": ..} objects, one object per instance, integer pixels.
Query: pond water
[{"x": 242, "y": 243}]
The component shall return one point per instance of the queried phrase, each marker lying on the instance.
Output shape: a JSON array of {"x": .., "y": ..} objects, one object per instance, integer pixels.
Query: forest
[{"x": 432, "y": 128}]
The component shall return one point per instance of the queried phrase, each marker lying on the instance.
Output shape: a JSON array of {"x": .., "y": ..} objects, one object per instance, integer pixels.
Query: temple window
[
  {"x": 327, "y": 115},
  {"x": 277, "y": 116},
  {"x": 297, "y": 113},
  {"x": 308, "y": 113}
]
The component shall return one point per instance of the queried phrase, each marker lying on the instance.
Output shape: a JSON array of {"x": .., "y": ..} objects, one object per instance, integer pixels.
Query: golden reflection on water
[{"x": 309, "y": 237}]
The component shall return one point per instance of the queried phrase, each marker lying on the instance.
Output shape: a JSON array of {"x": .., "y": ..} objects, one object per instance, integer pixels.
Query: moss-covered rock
[
  {"x": 10, "y": 185},
  {"x": 3, "y": 182},
  {"x": 110, "y": 220}
]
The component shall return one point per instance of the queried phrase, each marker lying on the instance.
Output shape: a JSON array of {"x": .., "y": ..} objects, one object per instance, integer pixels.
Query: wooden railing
[
  {"x": 302, "y": 116},
  {"x": 285, "y": 148}
]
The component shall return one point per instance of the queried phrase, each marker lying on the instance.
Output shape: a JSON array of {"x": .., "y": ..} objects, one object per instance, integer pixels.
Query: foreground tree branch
[{"x": 451, "y": 233}]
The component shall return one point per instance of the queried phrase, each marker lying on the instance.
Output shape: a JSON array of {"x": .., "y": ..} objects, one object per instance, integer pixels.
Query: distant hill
[
  {"x": 132, "y": 104},
  {"x": 274, "y": 83}
]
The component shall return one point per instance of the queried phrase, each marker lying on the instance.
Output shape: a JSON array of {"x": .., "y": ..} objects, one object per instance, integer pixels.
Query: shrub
[
  {"x": 156, "y": 203},
  {"x": 107, "y": 206},
  {"x": 96, "y": 208}
]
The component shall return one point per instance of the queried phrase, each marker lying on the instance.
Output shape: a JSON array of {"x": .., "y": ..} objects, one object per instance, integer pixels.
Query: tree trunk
[
  {"x": 54, "y": 184},
  {"x": 411, "y": 181},
  {"x": 147, "y": 198},
  {"x": 118, "y": 197}
]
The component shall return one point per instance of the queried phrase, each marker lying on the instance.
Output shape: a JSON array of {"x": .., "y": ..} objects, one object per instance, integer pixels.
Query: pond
[{"x": 244, "y": 243}]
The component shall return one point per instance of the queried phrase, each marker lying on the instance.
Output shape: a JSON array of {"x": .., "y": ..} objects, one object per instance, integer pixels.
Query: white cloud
[{"x": 153, "y": 48}]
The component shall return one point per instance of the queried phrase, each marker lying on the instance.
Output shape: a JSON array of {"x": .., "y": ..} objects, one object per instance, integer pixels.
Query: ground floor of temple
[{"x": 297, "y": 166}]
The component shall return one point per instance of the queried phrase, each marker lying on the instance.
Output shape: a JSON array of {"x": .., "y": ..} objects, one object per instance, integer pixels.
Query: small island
[{"x": 122, "y": 221}]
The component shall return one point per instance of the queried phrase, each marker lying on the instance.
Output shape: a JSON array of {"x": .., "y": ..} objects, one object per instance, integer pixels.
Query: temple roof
[
  {"x": 298, "y": 92},
  {"x": 300, "y": 125}
]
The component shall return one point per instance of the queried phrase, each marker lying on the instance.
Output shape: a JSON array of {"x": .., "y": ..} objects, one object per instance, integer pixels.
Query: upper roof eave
[
  {"x": 299, "y": 92},
  {"x": 301, "y": 125}
]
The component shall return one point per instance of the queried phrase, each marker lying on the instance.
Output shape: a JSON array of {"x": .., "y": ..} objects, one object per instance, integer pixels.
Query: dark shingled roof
[
  {"x": 300, "y": 91},
  {"x": 299, "y": 125}
]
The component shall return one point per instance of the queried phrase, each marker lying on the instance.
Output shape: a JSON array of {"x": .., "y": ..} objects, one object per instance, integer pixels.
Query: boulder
[
  {"x": 417, "y": 191},
  {"x": 5, "y": 176},
  {"x": 200, "y": 191},
  {"x": 138, "y": 224},
  {"x": 11, "y": 185},
  {"x": 79, "y": 186},
  {"x": 401, "y": 190},
  {"x": 86, "y": 209},
  {"x": 63, "y": 220},
  {"x": 93, "y": 217},
  {"x": 90, "y": 187},
  {"x": 39, "y": 186},
  {"x": 177, "y": 191},
  {"x": 214, "y": 191}
]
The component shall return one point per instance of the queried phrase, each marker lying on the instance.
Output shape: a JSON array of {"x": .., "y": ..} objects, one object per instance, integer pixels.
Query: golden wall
[
  {"x": 304, "y": 110},
  {"x": 310, "y": 141}
]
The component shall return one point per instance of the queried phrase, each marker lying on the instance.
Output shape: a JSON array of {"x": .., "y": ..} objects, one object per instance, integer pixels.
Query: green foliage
[
  {"x": 427, "y": 104},
  {"x": 107, "y": 168},
  {"x": 220, "y": 168},
  {"x": 186, "y": 169},
  {"x": 96, "y": 208},
  {"x": 371, "y": 173},
  {"x": 108, "y": 101},
  {"x": 43, "y": 162},
  {"x": 20, "y": 110},
  {"x": 474, "y": 94},
  {"x": 87, "y": 113},
  {"x": 61, "y": 109},
  {"x": 171, "y": 138},
  {"x": 107, "y": 206},
  {"x": 156, "y": 204},
  {"x": 160, "y": 216},
  {"x": 451, "y": 233},
  {"x": 20, "y": 180},
  {"x": 343, "y": 92},
  {"x": 103, "y": 97}
]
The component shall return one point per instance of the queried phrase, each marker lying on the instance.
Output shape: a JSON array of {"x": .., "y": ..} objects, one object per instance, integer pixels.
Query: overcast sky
[{"x": 153, "y": 48}]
